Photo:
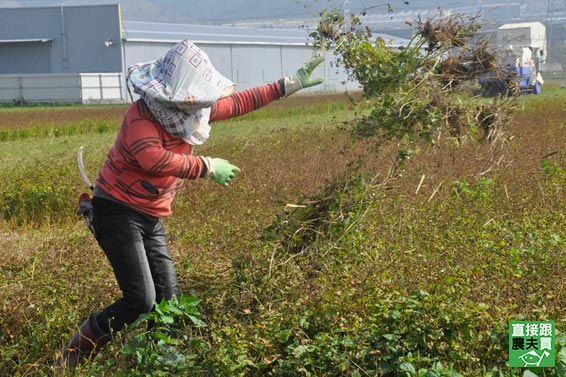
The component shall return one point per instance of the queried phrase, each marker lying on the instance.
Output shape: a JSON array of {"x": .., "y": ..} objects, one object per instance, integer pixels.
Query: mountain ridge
[{"x": 229, "y": 11}]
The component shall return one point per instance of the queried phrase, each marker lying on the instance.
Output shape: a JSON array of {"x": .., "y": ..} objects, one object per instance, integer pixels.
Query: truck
[{"x": 520, "y": 50}]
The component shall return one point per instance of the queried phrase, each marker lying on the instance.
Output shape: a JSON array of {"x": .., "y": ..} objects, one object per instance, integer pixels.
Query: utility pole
[
  {"x": 555, "y": 12},
  {"x": 266, "y": 9}
]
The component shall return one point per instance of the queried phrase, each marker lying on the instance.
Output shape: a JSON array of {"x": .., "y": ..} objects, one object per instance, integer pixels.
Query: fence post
[
  {"x": 101, "y": 88},
  {"x": 21, "y": 88},
  {"x": 121, "y": 87}
]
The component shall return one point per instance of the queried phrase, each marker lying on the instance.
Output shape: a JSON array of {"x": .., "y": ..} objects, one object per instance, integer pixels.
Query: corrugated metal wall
[
  {"x": 250, "y": 65},
  {"x": 71, "y": 39},
  {"x": 29, "y": 57},
  {"x": 74, "y": 39},
  {"x": 29, "y": 24},
  {"x": 139, "y": 52},
  {"x": 87, "y": 28}
]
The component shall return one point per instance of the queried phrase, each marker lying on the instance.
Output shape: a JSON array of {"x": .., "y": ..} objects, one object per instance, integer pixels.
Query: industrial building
[{"x": 81, "y": 53}]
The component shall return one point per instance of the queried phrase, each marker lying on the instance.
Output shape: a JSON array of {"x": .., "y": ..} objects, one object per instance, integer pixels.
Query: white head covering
[{"x": 179, "y": 89}]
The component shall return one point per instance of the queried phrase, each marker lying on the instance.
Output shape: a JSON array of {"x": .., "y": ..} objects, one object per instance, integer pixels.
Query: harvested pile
[{"x": 425, "y": 91}]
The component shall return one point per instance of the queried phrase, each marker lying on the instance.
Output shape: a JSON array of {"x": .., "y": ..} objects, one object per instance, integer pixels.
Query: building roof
[
  {"x": 165, "y": 32},
  {"x": 26, "y": 40},
  {"x": 535, "y": 24},
  {"x": 138, "y": 31}
]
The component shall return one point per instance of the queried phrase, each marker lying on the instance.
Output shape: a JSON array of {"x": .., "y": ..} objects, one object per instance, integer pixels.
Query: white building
[{"x": 81, "y": 53}]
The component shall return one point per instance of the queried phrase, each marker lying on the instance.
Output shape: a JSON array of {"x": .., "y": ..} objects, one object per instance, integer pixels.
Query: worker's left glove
[
  {"x": 302, "y": 78},
  {"x": 220, "y": 170}
]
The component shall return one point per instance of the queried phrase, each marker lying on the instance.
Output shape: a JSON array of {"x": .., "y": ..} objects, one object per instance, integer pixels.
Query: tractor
[{"x": 520, "y": 49}]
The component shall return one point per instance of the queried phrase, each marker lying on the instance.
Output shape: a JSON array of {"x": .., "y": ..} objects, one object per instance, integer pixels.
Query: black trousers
[{"x": 137, "y": 248}]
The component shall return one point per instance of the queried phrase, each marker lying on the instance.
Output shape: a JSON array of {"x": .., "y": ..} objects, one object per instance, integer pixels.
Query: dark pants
[{"x": 137, "y": 249}]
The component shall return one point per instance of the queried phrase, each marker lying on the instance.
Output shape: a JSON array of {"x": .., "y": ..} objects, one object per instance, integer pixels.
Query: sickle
[{"x": 82, "y": 168}]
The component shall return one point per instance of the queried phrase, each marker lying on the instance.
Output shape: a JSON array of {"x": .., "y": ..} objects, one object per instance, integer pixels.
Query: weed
[
  {"x": 424, "y": 90},
  {"x": 156, "y": 351},
  {"x": 313, "y": 269}
]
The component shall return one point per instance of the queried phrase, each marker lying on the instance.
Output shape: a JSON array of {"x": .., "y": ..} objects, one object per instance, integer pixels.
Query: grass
[{"x": 362, "y": 276}]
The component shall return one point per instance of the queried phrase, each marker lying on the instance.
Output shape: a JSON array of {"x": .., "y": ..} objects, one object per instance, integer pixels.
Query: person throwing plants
[{"x": 180, "y": 94}]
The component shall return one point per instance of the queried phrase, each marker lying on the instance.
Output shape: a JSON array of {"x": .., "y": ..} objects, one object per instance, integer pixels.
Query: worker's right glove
[
  {"x": 302, "y": 78},
  {"x": 220, "y": 170}
]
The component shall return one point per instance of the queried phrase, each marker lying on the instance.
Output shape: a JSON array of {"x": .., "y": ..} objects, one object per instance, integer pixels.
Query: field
[{"x": 313, "y": 261}]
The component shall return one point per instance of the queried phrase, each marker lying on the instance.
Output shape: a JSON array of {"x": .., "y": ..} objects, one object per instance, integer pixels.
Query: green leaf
[
  {"x": 405, "y": 366},
  {"x": 432, "y": 373},
  {"x": 284, "y": 336},
  {"x": 166, "y": 318},
  {"x": 197, "y": 322},
  {"x": 560, "y": 370},
  {"x": 175, "y": 311},
  {"x": 390, "y": 336}
]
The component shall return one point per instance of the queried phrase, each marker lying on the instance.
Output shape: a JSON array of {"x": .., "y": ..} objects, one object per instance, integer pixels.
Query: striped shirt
[{"x": 146, "y": 166}]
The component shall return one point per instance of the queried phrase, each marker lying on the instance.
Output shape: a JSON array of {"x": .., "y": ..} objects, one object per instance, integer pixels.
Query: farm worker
[{"x": 180, "y": 94}]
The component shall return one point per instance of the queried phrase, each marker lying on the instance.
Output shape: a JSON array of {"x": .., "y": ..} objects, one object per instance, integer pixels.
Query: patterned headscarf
[{"x": 179, "y": 89}]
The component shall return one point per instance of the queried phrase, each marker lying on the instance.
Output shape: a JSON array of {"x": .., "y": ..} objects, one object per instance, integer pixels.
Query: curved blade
[{"x": 82, "y": 168}]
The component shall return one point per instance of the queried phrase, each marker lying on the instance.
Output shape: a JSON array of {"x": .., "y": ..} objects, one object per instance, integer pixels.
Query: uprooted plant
[
  {"x": 424, "y": 90},
  {"x": 155, "y": 351}
]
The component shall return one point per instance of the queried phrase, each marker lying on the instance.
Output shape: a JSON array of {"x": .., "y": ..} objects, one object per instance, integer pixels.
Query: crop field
[{"x": 313, "y": 262}]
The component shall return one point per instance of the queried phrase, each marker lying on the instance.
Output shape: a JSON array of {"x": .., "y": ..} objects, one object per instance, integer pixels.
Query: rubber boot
[{"x": 85, "y": 344}]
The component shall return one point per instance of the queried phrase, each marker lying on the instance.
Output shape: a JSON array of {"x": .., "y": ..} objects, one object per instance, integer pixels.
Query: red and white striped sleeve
[{"x": 246, "y": 101}]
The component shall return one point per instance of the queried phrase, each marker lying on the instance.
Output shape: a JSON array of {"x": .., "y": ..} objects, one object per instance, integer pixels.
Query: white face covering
[
  {"x": 197, "y": 127},
  {"x": 179, "y": 89}
]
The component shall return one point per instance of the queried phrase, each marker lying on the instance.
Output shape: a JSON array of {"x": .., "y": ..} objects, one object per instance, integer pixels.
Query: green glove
[
  {"x": 220, "y": 170},
  {"x": 302, "y": 78}
]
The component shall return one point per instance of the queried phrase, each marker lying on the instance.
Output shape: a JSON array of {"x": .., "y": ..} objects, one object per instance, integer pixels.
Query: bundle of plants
[{"x": 425, "y": 90}]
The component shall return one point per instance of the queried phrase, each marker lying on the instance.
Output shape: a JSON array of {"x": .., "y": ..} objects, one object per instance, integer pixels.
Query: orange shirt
[{"x": 146, "y": 166}]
